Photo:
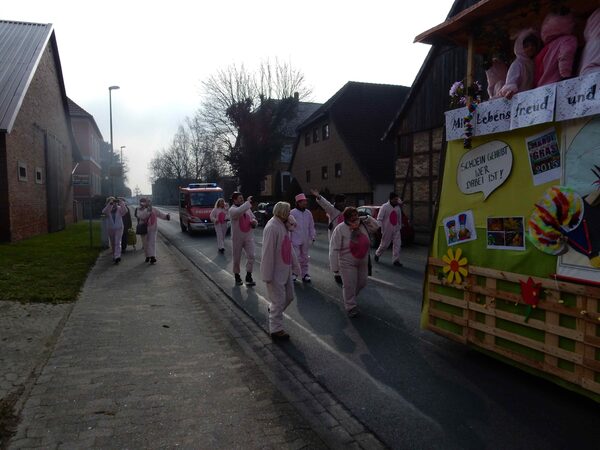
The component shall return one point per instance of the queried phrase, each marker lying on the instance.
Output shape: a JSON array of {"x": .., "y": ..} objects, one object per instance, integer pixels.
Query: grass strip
[{"x": 49, "y": 268}]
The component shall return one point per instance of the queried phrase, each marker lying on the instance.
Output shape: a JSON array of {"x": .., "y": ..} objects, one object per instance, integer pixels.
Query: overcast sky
[{"x": 159, "y": 52}]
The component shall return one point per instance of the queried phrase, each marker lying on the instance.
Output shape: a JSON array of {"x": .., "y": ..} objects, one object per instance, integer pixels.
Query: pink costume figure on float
[
  {"x": 242, "y": 236},
  {"x": 496, "y": 77},
  {"x": 304, "y": 234},
  {"x": 219, "y": 216},
  {"x": 590, "y": 57},
  {"x": 277, "y": 263},
  {"x": 555, "y": 61},
  {"x": 149, "y": 215},
  {"x": 348, "y": 255},
  {"x": 114, "y": 212},
  {"x": 390, "y": 220},
  {"x": 521, "y": 72}
]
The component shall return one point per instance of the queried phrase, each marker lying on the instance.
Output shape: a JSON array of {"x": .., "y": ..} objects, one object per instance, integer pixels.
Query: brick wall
[
  {"x": 42, "y": 111},
  {"x": 327, "y": 153}
]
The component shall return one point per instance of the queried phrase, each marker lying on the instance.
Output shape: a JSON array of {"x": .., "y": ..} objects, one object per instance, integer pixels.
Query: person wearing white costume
[
  {"x": 219, "y": 217},
  {"x": 304, "y": 234},
  {"x": 277, "y": 262},
  {"x": 334, "y": 213},
  {"x": 242, "y": 236},
  {"x": 390, "y": 220},
  {"x": 348, "y": 255},
  {"x": 114, "y": 212},
  {"x": 146, "y": 213}
]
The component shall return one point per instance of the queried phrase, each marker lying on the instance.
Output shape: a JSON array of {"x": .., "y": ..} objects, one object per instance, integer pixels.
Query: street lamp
[{"x": 112, "y": 184}]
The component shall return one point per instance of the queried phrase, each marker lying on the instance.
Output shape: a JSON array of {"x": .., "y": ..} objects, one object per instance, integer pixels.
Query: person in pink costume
[
  {"x": 590, "y": 57},
  {"x": 304, "y": 234},
  {"x": 219, "y": 217},
  {"x": 390, "y": 219},
  {"x": 242, "y": 236},
  {"x": 334, "y": 212},
  {"x": 521, "y": 71},
  {"x": 496, "y": 77},
  {"x": 277, "y": 261},
  {"x": 348, "y": 255},
  {"x": 555, "y": 61},
  {"x": 114, "y": 212},
  {"x": 146, "y": 213}
]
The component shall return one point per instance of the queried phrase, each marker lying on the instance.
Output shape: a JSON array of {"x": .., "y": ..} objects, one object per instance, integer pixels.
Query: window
[
  {"x": 325, "y": 131},
  {"x": 39, "y": 179},
  {"x": 22, "y": 171},
  {"x": 307, "y": 139},
  {"x": 286, "y": 153},
  {"x": 338, "y": 170},
  {"x": 308, "y": 176},
  {"x": 315, "y": 135},
  {"x": 324, "y": 172}
]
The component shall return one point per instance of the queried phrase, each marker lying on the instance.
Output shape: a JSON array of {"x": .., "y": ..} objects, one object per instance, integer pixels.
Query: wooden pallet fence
[{"x": 561, "y": 337}]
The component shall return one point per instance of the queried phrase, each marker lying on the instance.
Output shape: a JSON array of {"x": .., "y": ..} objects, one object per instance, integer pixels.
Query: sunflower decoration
[{"x": 455, "y": 269}]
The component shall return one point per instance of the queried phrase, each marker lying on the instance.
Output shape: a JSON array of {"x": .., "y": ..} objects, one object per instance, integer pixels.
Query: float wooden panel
[{"x": 562, "y": 340}]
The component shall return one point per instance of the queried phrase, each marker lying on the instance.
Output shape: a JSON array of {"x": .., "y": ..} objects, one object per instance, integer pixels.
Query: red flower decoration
[{"x": 530, "y": 292}]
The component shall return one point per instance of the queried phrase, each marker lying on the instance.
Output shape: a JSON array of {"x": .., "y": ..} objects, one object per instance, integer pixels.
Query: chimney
[{"x": 296, "y": 96}]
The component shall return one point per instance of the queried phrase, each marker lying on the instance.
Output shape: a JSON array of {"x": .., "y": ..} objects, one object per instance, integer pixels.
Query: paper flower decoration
[
  {"x": 530, "y": 292},
  {"x": 455, "y": 269}
]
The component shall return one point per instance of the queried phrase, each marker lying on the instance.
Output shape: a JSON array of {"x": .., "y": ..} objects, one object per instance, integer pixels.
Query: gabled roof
[
  {"x": 361, "y": 113},
  {"x": 77, "y": 111},
  {"x": 21, "y": 47},
  {"x": 305, "y": 109}
]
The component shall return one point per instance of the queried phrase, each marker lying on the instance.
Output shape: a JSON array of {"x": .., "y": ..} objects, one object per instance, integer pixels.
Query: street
[{"x": 412, "y": 388}]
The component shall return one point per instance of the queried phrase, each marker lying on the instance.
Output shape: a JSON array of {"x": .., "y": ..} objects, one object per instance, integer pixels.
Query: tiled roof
[
  {"x": 361, "y": 113},
  {"x": 77, "y": 111},
  {"x": 21, "y": 47},
  {"x": 305, "y": 109}
]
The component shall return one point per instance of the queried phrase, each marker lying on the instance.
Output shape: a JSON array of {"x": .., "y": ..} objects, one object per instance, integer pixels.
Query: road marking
[{"x": 383, "y": 388}]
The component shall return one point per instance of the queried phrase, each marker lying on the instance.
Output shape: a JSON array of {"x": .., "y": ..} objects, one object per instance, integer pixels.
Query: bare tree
[{"x": 245, "y": 111}]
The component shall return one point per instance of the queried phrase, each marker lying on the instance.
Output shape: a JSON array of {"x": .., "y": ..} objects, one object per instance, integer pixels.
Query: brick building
[
  {"x": 37, "y": 147},
  {"x": 278, "y": 181},
  {"x": 339, "y": 147},
  {"x": 87, "y": 176}
]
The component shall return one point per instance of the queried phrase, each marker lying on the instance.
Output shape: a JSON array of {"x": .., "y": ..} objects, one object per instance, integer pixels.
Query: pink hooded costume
[
  {"x": 590, "y": 58},
  {"x": 348, "y": 254},
  {"x": 114, "y": 213},
  {"x": 521, "y": 71},
  {"x": 496, "y": 77},
  {"x": 278, "y": 260},
  {"x": 555, "y": 61},
  {"x": 150, "y": 215},
  {"x": 242, "y": 236},
  {"x": 334, "y": 215},
  {"x": 303, "y": 235},
  {"x": 219, "y": 217},
  {"x": 390, "y": 219}
]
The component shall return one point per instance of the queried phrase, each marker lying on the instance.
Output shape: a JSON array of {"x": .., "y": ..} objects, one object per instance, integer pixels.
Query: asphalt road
[{"x": 412, "y": 388}]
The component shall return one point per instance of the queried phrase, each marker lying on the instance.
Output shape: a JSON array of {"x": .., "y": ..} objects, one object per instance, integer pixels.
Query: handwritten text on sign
[{"x": 484, "y": 168}]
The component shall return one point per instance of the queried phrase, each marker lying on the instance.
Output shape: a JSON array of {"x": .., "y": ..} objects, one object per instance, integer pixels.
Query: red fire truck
[{"x": 196, "y": 201}]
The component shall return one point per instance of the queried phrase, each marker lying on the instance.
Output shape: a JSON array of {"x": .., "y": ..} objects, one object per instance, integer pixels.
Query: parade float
[{"x": 514, "y": 264}]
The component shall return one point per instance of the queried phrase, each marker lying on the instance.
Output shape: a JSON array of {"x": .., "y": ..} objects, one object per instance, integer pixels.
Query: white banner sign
[
  {"x": 578, "y": 97},
  {"x": 533, "y": 107},
  {"x": 455, "y": 124},
  {"x": 484, "y": 168},
  {"x": 493, "y": 117}
]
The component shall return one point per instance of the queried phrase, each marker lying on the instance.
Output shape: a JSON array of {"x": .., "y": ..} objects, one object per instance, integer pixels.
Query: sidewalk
[{"x": 156, "y": 357}]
